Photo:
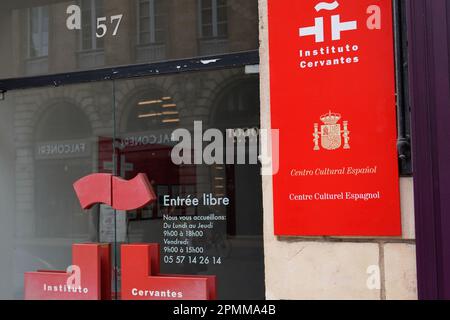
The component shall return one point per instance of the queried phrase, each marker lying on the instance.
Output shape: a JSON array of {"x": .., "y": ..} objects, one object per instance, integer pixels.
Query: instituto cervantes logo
[
  {"x": 329, "y": 41},
  {"x": 331, "y": 134},
  {"x": 337, "y": 27}
]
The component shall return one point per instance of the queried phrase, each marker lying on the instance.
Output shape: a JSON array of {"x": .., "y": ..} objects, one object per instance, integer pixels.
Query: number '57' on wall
[{"x": 73, "y": 21}]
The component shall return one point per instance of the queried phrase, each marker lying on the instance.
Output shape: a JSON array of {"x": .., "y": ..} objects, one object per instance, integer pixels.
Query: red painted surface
[
  {"x": 93, "y": 189},
  {"x": 142, "y": 281},
  {"x": 308, "y": 80},
  {"x": 116, "y": 192},
  {"x": 135, "y": 156},
  {"x": 132, "y": 194},
  {"x": 146, "y": 158},
  {"x": 94, "y": 261}
]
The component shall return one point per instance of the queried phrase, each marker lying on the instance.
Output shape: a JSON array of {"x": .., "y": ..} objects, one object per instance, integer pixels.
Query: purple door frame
[{"x": 430, "y": 111}]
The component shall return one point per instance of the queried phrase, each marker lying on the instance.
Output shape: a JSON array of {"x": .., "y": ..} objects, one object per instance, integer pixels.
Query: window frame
[
  {"x": 214, "y": 21},
  {"x": 30, "y": 45},
  {"x": 93, "y": 27},
  {"x": 202, "y": 63},
  {"x": 152, "y": 15}
]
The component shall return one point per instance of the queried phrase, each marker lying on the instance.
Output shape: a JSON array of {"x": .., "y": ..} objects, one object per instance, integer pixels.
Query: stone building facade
[{"x": 35, "y": 222}]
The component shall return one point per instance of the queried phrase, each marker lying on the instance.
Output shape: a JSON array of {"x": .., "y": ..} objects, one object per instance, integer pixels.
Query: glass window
[
  {"x": 53, "y": 136},
  {"x": 214, "y": 21},
  {"x": 231, "y": 247},
  {"x": 152, "y": 21},
  {"x": 90, "y": 11},
  {"x": 38, "y": 32},
  {"x": 60, "y": 38}
]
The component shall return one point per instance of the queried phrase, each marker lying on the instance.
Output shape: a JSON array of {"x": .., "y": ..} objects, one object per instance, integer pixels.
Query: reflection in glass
[
  {"x": 40, "y": 41},
  {"x": 38, "y": 32},
  {"x": 213, "y": 18},
  {"x": 50, "y": 138},
  {"x": 232, "y": 248},
  {"x": 90, "y": 10}
]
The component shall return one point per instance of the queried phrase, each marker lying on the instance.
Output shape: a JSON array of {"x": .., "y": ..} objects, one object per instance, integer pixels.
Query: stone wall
[{"x": 334, "y": 268}]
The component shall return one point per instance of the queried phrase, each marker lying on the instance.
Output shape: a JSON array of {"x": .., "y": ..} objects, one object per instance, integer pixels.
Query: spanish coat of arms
[{"x": 330, "y": 133}]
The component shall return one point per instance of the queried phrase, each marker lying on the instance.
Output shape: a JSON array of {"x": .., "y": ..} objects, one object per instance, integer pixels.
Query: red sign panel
[{"x": 333, "y": 99}]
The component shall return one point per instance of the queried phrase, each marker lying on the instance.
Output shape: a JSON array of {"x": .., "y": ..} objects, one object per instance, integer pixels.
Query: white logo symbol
[{"x": 317, "y": 30}]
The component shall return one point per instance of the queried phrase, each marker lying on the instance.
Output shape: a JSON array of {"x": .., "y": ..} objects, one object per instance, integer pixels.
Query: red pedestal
[
  {"x": 141, "y": 279},
  {"x": 94, "y": 262}
]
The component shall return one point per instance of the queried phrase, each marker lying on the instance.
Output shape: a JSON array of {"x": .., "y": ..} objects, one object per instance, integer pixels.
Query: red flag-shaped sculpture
[{"x": 114, "y": 191}]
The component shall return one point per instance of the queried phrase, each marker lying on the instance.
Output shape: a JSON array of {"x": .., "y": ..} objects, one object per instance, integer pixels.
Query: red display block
[
  {"x": 333, "y": 100},
  {"x": 141, "y": 279},
  {"x": 93, "y": 262}
]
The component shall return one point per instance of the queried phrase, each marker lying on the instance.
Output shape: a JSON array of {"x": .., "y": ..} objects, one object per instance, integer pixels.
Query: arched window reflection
[
  {"x": 63, "y": 155},
  {"x": 148, "y": 123},
  {"x": 238, "y": 105},
  {"x": 237, "y": 108}
]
